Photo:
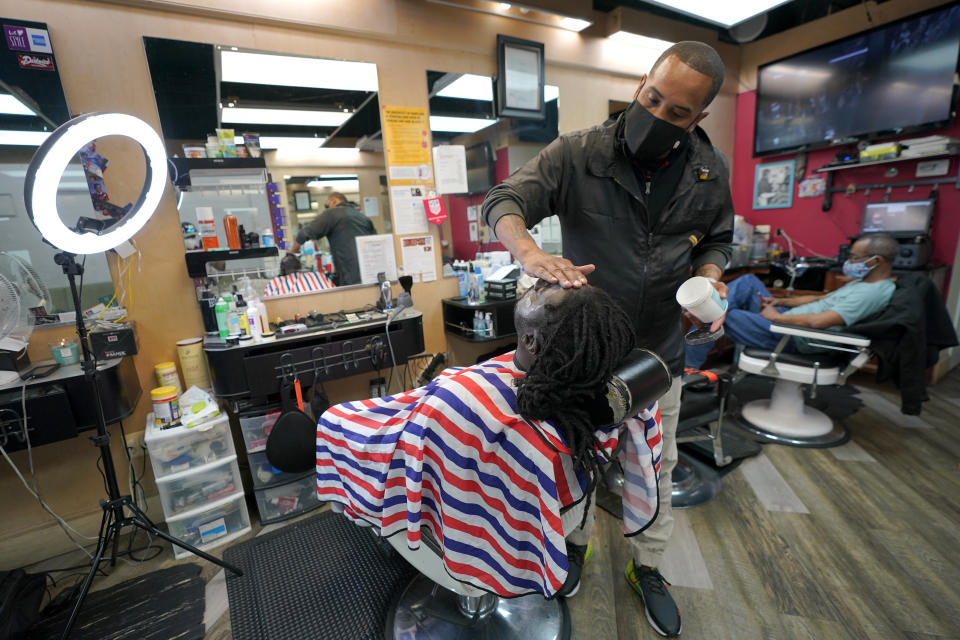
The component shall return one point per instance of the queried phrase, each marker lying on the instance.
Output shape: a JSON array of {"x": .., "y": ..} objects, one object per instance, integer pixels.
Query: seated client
[
  {"x": 487, "y": 457},
  {"x": 751, "y": 307}
]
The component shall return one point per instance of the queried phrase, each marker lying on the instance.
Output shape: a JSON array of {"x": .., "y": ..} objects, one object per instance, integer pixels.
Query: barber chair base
[
  {"x": 786, "y": 419},
  {"x": 426, "y": 611},
  {"x": 694, "y": 483}
]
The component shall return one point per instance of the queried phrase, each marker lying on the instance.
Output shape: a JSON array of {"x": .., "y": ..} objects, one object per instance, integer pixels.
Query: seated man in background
[
  {"x": 488, "y": 456},
  {"x": 751, "y": 307},
  {"x": 341, "y": 223}
]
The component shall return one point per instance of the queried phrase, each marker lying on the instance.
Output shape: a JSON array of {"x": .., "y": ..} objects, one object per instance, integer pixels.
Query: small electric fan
[{"x": 20, "y": 290}]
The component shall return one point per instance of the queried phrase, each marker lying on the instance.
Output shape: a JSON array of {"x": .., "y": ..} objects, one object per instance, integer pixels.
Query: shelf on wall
[
  {"x": 197, "y": 260},
  {"x": 857, "y": 165}
]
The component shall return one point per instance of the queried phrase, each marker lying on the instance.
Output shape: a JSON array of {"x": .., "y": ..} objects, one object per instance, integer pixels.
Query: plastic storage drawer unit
[
  {"x": 256, "y": 427},
  {"x": 216, "y": 524},
  {"x": 180, "y": 449},
  {"x": 266, "y": 475},
  {"x": 288, "y": 500},
  {"x": 196, "y": 488}
]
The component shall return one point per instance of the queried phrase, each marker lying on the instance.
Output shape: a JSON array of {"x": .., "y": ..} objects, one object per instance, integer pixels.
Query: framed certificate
[
  {"x": 520, "y": 78},
  {"x": 302, "y": 201}
]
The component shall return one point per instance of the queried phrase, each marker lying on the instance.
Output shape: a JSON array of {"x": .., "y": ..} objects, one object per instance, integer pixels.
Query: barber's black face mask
[{"x": 647, "y": 136}]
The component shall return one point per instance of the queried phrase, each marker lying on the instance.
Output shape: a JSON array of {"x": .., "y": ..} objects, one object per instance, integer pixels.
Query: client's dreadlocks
[{"x": 580, "y": 341}]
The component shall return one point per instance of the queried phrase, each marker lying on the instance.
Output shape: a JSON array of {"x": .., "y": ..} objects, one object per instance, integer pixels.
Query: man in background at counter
[
  {"x": 643, "y": 200},
  {"x": 751, "y": 308},
  {"x": 341, "y": 222}
]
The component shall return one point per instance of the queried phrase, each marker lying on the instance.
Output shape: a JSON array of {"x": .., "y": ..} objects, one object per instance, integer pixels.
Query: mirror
[
  {"x": 32, "y": 104},
  {"x": 260, "y": 140},
  {"x": 462, "y": 113}
]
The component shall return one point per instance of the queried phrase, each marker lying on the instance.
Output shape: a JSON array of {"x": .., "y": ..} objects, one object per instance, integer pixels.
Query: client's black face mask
[{"x": 647, "y": 136}]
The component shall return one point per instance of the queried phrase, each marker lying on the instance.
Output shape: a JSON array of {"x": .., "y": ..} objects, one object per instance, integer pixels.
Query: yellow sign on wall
[{"x": 406, "y": 141}]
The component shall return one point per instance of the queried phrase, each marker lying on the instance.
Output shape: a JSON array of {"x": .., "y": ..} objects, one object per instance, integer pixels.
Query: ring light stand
[{"x": 40, "y": 196}]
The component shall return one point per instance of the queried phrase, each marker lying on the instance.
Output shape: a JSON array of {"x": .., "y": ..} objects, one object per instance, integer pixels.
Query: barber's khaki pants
[{"x": 648, "y": 546}]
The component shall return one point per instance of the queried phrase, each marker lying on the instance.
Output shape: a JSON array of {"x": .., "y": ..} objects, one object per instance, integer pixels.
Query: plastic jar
[
  {"x": 166, "y": 406},
  {"x": 698, "y": 296}
]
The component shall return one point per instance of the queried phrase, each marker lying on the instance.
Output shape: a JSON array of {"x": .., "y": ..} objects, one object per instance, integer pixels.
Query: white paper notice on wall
[
  {"x": 472, "y": 212},
  {"x": 376, "y": 255},
  {"x": 450, "y": 167},
  {"x": 419, "y": 258},
  {"x": 371, "y": 207},
  {"x": 410, "y": 172},
  {"x": 408, "y": 214},
  {"x": 474, "y": 234}
]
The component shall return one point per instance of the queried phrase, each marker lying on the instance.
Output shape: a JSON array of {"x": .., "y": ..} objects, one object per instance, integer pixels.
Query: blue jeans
[{"x": 744, "y": 324}]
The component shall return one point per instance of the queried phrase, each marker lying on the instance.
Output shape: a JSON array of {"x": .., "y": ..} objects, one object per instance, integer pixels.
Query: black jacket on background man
[
  {"x": 340, "y": 225},
  {"x": 907, "y": 336},
  {"x": 586, "y": 180}
]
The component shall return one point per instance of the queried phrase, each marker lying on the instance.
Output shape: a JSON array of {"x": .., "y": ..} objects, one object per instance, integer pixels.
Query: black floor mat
[
  {"x": 323, "y": 577},
  {"x": 161, "y": 605}
]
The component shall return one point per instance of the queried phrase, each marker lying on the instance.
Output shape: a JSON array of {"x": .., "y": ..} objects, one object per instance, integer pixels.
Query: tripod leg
[
  {"x": 188, "y": 547},
  {"x": 141, "y": 520},
  {"x": 107, "y": 533}
]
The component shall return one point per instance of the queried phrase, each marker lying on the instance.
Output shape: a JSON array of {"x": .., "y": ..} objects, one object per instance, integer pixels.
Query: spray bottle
[{"x": 222, "y": 311}]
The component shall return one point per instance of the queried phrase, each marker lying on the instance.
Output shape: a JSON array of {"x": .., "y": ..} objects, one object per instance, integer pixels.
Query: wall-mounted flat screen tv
[{"x": 895, "y": 79}]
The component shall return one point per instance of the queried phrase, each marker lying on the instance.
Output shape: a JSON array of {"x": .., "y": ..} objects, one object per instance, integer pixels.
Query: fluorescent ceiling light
[
  {"x": 284, "y": 116},
  {"x": 450, "y": 124},
  {"x": 504, "y": 6},
  {"x": 24, "y": 138},
  {"x": 638, "y": 40},
  {"x": 550, "y": 92},
  {"x": 12, "y": 106},
  {"x": 336, "y": 176},
  {"x": 574, "y": 24},
  {"x": 335, "y": 185},
  {"x": 725, "y": 14},
  {"x": 295, "y": 71},
  {"x": 469, "y": 87},
  {"x": 290, "y": 142}
]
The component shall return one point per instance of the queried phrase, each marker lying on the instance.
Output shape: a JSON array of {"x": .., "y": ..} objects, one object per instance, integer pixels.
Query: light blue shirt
[{"x": 854, "y": 301}]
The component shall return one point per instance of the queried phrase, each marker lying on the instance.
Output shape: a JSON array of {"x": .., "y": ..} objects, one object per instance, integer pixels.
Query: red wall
[
  {"x": 463, "y": 247},
  {"x": 823, "y": 231}
]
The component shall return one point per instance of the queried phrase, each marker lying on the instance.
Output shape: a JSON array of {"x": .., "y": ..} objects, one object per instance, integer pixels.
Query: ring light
[{"x": 51, "y": 159}]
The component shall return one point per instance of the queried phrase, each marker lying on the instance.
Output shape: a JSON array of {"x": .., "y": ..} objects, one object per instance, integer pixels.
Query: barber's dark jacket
[{"x": 586, "y": 180}]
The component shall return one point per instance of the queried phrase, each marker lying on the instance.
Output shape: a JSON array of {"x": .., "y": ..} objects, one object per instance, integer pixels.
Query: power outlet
[
  {"x": 378, "y": 387},
  {"x": 135, "y": 443}
]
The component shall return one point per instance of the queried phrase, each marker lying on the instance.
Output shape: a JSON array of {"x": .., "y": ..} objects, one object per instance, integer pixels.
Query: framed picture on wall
[
  {"x": 773, "y": 185},
  {"x": 520, "y": 78},
  {"x": 301, "y": 201}
]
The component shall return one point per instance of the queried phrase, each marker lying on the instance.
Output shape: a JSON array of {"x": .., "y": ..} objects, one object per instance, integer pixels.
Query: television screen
[
  {"x": 886, "y": 80},
  {"x": 480, "y": 168},
  {"x": 898, "y": 217}
]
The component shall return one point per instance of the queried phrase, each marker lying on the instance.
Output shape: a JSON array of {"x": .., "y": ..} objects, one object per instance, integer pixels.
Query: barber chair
[
  {"x": 434, "y": 605},
  {"x": 785, "y": 418}
]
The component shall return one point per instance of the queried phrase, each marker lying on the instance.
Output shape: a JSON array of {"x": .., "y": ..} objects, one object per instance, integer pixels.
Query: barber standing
[
  {"x": 341, "y": 222},
  {"x": 643, "y": 202}
]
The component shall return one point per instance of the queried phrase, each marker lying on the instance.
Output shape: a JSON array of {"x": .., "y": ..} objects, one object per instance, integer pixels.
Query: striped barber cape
[{"x": 455, "y": 456}]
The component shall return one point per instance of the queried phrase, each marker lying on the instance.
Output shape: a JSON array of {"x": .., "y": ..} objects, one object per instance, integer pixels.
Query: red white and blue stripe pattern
[
  {"x": 299, "y": 282},
  {"x": 456, "y": 457}
]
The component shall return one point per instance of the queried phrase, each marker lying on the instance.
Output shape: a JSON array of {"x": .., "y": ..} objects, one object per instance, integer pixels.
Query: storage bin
[
  {"x": 197, "y": 487},
  {"x": 256, "y": 427},
  {"x": 266, "y": 475},
  {"x": 181, "y": 449},
  {"x": 288, "y": 500},
  {"x": 216, "y": 524}
]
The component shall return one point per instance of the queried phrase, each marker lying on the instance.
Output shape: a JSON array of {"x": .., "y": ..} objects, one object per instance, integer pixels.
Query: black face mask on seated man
[{"x": 648, "y": 137}]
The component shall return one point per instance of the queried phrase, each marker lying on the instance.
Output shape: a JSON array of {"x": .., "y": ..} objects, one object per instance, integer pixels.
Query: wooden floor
[{"x": 860, "y": 541}]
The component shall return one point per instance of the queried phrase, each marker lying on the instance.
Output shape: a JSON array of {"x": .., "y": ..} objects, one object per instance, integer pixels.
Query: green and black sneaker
[
  {"x": 662, "y": 612},
  {"x": 577, "y": 556}
]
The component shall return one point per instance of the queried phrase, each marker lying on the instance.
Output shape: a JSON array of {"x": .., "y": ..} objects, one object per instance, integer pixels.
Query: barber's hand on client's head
[{"x": 555, "y": 269}]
